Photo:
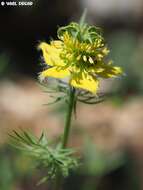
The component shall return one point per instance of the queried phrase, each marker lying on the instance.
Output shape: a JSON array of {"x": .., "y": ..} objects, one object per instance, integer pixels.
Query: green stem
[
  {"x": 59, "y": 180},
  {"x": 58, "y": 183},
  {"x": 69, "y": 117}
]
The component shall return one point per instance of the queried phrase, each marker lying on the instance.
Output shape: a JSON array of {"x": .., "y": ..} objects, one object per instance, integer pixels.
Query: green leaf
[{"x": 54, "y": 159}]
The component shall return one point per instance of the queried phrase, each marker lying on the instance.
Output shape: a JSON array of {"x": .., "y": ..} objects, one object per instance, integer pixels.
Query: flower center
[{"x": 82, "y": 55}]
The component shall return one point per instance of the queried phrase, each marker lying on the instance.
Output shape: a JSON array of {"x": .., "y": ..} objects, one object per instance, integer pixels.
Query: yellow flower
[{"x": 79, "y": 59}]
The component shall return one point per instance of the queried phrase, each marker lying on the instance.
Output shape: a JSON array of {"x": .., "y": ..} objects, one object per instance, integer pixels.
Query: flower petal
[
  {"x": 51, "y": 54},
  {"x": 55, "y": 72},
  {"x": 110, "y": 71},
  {"x": 89, "y": 83},
  {"x": 57, "y": 43}
]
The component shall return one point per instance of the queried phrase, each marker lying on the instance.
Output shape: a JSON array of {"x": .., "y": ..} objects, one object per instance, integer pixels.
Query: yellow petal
[
  {"x": 51, "y": 54},
  {"x": 55, "y": 72},
  {"x": 110, "y": 71},
  {"x": 57, "y": 43},
  {"x": 89, "y": 83}
]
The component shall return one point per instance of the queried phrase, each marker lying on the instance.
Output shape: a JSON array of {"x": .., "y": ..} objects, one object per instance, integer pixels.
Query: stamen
[
  {"x": 84, "y": 58},
  {"x": 100, "y": 56},
  {"x": 78, "y": 57},
  {"x": 91, "y": 60},
  {"x": 105, "y": 51}
]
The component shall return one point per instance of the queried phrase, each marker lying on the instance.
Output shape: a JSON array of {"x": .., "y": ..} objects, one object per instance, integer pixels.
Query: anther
[
  {"x": 78, "y": 57},
  {"x": 84, "y": 58},
  {"x": 91, "y": 60}
]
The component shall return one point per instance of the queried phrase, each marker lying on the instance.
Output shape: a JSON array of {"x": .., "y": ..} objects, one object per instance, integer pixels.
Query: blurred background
[{"x": 110, "y": 135}]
